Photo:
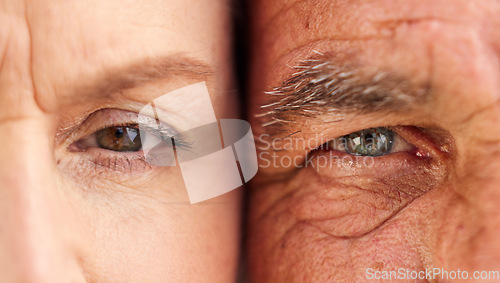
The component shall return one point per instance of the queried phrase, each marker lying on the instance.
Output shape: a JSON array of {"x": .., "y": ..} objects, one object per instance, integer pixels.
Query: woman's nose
[{"x": 38, "y": 237}]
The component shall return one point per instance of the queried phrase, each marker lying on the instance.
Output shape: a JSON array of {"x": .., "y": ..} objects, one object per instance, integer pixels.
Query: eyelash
[
  {"x": 406, "y": 150},
  {"x": 130, "y": 162},
  {"x": 393, "y": 142}
]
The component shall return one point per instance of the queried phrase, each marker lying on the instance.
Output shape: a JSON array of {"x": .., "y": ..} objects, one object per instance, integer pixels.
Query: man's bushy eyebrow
[{"x": 319, "y": 86}]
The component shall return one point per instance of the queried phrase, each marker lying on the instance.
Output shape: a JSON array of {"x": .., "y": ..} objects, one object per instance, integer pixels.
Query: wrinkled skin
[
  {"x": 330, "y": 224},
  {"x": 88, "y": 215}
]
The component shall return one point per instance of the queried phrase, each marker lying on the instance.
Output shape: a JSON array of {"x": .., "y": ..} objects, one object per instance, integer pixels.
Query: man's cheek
[
  {"x": 283, "y": 248},
  {"x": 339, "y": 202}
]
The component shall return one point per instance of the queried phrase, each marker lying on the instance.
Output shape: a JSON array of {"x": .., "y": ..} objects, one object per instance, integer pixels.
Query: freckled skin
[
  {"x": 65, "y": 219},
  {"x": 331, "y": 224}
]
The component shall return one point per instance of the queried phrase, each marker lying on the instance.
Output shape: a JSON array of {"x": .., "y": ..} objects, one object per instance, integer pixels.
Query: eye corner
[
  {"x": 77, "y": 146},
  {"x": 431, "y": 142}
]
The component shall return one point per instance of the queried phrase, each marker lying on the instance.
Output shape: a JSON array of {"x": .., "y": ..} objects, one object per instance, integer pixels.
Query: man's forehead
[
  {"x": 372, "y": 10},
  {"x": 304, "y": 21},
  {"x": 448, "y": 47},
  {"x": 382, "y": 34}
]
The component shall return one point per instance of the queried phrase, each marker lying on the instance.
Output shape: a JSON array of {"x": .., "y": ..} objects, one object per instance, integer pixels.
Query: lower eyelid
[
  {"x": 392, "y": 176},
  {"x": 98, "y": 160},
  {"x": 345, "y": 161},
  {"x": 123, "y": 163},
  {"x": 353, "y": 206},
  {"x": 352, "y": 199},
  {"x": 131, "y": 162}
]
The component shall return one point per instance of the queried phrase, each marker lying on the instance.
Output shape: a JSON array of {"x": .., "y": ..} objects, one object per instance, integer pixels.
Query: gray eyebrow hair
[{"x": 319, "y": 86}]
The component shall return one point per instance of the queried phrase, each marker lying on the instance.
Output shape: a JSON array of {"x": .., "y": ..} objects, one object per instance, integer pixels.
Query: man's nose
[
  {"x": 482, "y": 193},
  {"x": 472, "y": 217},
  {"x": 38, "y": 240}
]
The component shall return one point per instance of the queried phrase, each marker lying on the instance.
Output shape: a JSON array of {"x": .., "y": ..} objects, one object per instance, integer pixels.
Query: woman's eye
[
  {"x": 124, "y": 141},
  {"x": 119, "y": 138},
  {"x": 370, "y": 142}
]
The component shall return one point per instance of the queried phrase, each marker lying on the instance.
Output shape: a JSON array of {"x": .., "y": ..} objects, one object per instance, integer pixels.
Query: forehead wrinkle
[
  {"x": 304, "y": 21},
  {"x": 281, "y": 11},
  {"x": 301, "y": 23},
  {"x": 114, "y": 81},
  {"x": 327, "y": 43},
  {"x": 319, "y": 86}
]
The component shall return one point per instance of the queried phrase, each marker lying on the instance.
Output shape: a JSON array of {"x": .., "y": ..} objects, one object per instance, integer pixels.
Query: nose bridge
[
  {"x": 32, "y": 223},
  {"x": 477, "y": 225},
  {"x": 482, "y": 183}
]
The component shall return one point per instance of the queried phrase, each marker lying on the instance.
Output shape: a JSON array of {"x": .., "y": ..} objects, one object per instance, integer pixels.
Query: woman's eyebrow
[
  {"x": 117, "y": 79},
  {"x": 319, "y": 87}
]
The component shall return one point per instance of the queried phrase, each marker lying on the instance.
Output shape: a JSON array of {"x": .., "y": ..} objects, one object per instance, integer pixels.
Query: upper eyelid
[
  {"x": 399, "y": 140},
  {"x": 312, "y": 143},
  {"x": 104, "y": 118},
  {"x": 326, "y": 129},
  {"x": 155, "y": 127},
  {"x": 396, "y": 129}
]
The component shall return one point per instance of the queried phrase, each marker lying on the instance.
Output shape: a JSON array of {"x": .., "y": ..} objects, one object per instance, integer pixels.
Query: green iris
[{"x": 369, "y": 142}]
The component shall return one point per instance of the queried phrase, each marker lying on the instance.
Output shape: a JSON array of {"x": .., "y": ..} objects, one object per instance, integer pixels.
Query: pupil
[
  {"x": 122, "y": 138},
  {"x": 119, "y": 133},
  {"x": 369, "y": 141}
]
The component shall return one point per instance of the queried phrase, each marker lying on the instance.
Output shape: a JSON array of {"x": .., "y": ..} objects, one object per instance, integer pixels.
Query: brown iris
[{"x": 119, "y": 138}]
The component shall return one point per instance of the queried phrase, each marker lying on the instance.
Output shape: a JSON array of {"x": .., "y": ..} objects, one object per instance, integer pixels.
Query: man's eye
[
  {"x": 370, "y": 142},
  {"x": 119, "y": 138}
]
